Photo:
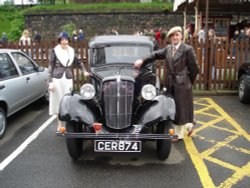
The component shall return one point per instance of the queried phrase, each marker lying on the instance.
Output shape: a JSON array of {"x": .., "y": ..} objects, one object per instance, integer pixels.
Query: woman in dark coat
[
  {"x": 61, "y": 62},
  {"x": 182, "y": 70}
]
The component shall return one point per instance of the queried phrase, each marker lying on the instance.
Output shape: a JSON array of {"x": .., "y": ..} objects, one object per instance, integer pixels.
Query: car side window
[
  {"x": 7, "y": 67},
  {"x": 24, "y": 63},
  {"x": 99, "y": 56}
]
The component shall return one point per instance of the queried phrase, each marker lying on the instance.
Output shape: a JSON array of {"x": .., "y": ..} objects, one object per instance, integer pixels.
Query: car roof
[
  {"x": 6, "y": 50},
  {"x": 121, "y": 39}
]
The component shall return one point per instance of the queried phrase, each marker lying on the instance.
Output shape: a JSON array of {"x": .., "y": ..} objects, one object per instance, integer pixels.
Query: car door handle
[
  {"x": 27, "y": 79},
  {"x": 2, "y": 87}
]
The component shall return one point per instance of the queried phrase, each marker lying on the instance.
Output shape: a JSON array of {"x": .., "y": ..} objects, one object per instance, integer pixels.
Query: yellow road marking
[
  {"x": 198, "y": 158},
  {"x": 205, "y": 125},
  {"x": 225, "y": 129},
  {"x": 207, "y": 114},
  {"x": 230, "y": 120},
  {"x": 219, "y": 145},
  {"x": 198, "y": 163},
  {"x": 221, "y": 163},
  {"x": 242, "y": 150},
  {"x": 202, "y": 110},
  {"x": 237, "y": 176}
]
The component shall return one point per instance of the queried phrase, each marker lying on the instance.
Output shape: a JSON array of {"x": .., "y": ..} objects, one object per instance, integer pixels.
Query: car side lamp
[
  {"x": 171, "y": 132},
  {"x": 164, "y": 90},
  {"x": 62, "y": 130},
  {"x": 97, "y": 127}
]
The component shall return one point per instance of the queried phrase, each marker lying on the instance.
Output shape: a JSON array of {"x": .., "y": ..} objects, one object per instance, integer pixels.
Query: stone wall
[{"x": 96, "y": 24}]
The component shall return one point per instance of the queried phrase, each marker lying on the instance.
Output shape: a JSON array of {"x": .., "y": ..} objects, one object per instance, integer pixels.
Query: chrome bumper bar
[{"x": 118, "y": 136}]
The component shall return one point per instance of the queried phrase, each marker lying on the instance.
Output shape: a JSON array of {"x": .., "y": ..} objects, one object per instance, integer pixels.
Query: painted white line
[{"x": 24, "y": 145}]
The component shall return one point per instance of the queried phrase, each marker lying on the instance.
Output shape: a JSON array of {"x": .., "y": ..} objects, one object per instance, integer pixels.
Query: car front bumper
[{"x": 118, "y": 136}]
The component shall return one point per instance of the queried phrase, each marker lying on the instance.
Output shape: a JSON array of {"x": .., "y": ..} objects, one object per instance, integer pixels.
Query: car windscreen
[{"x": 111, "y": 54}]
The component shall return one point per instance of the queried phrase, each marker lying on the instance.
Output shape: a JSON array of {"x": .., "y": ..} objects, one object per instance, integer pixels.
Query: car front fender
[
  {"x": 160, "y": 108},
  {"x": 74, "y": 108}
]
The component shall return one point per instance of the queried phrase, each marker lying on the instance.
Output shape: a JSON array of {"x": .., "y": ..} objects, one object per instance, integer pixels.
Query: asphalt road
[{"x": 45, "y": 161}]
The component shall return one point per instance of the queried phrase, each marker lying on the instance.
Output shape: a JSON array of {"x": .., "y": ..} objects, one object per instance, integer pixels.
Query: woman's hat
[
  {"x": 174, "y": 30},
  {"x": 63, "y": 35}
]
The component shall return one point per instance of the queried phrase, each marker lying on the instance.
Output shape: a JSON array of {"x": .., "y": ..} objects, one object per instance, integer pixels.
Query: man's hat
[{"x": 174, "y": 30}]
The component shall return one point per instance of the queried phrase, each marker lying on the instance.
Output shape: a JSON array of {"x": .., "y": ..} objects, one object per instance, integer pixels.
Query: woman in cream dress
[{"x": 62, "y": 59}]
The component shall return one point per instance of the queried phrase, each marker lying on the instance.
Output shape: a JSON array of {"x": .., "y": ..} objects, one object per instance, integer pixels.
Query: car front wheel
[
  {"x": 74, "y": 145},
  {"x": 45, "y": 98},
  {"x": 244, "y": 90},
  {"x": 2, "y": 122},
  {"x": 163, "y": 147}
]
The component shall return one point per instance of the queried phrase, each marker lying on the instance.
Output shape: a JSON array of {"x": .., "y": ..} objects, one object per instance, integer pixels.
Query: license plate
[{"x": 117, "y": 146}]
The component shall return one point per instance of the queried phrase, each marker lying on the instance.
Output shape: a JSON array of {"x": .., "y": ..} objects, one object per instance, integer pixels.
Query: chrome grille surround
[{"x": 118, "y": 95}]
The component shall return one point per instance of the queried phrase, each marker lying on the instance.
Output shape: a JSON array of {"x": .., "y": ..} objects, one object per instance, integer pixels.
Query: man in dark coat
[{"x": 182, "y": 70}]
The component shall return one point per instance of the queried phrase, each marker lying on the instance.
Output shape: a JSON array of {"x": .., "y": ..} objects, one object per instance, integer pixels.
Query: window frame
[{"x": 13, "y": 68}]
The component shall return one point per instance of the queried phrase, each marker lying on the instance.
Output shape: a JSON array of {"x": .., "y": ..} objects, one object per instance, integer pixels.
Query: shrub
[
  {"x": 17, "y": 26},
  {"x": 12, "y": 21},
  {"x": 69, "y": 28}
]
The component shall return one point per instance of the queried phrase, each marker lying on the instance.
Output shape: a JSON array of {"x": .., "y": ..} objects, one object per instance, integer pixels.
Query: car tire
[
  {"x": 74, "y": 145},
  {"x": 163, "y": 147},
  {"x": 3, "y": 121},
  {"x": 244, "y": 90},
  {"x": 45, "y": 98}
]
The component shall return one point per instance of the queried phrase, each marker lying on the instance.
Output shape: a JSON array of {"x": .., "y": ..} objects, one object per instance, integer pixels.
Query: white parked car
[{"x": 22, "y": 82}]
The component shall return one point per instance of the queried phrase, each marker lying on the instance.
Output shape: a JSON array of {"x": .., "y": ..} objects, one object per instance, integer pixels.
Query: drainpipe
[
  {"x": 208, "y": 86},
  {"x": 184, "y": 22},
  {"x": 196, "y": 8}
]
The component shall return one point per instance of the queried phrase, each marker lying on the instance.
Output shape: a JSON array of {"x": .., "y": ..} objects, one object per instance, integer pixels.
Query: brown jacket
[
  {"x": 56, "y": 69},
  {"x": 182, "y": 70}
]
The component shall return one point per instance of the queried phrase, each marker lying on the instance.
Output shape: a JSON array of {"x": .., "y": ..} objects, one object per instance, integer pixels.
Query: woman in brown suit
[
  {"x": 61, "y": 61},
  {"x": 182, "y": 70}
]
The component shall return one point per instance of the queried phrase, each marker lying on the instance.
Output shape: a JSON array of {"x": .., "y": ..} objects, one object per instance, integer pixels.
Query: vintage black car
[
  {"x": 244, "y": 82},
  {"x": 121, "y": 106}
]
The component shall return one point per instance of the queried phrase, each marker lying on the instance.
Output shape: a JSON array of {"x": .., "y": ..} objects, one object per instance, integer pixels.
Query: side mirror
[
  {"x": 40, "y": 69},
  {"x": 71, "y": 91}
]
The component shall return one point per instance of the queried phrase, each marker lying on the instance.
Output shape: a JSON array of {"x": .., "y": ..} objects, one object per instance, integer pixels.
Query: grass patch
[{"x": 101, "y": 8}]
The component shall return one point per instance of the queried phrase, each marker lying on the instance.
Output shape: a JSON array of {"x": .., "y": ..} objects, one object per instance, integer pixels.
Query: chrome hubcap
[{"x": 241, "y": 88}]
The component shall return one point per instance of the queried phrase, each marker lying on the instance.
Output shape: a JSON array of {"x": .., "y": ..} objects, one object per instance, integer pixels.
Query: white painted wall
[{"x": 145, "y": 1}]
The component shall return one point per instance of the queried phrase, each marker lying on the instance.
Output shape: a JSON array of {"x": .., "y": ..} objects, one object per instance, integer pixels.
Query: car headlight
[
  {"x": 87, "y": 91},
  {"x": 148, "y": 92}
]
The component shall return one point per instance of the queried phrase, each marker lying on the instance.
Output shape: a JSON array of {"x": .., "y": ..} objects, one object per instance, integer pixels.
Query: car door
[
  {"x": 36, "y": 82},
  {"x": 12, "y": 86}
]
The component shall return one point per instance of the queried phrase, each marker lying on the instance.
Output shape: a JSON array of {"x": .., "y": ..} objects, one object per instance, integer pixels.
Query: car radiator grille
[{"x": 118, "y": 102}]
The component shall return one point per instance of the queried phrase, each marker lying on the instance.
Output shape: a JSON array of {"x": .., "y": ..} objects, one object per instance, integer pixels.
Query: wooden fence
[{"x": 218, "y": 61}]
